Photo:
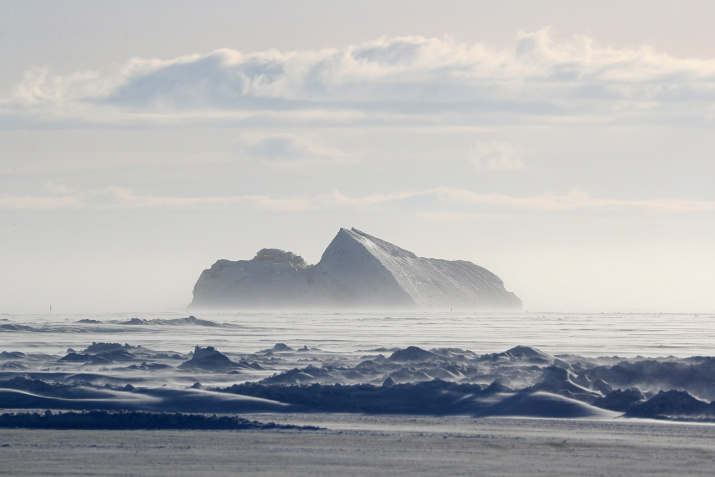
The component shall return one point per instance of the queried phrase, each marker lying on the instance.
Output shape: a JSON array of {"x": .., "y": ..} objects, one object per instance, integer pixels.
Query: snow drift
[
  {"x": 356, "y": 271},
  {"x": 521, "y": 381}
]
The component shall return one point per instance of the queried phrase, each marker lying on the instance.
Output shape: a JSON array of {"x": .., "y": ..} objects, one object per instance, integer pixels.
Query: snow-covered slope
[{"x": 355, "y": 271}]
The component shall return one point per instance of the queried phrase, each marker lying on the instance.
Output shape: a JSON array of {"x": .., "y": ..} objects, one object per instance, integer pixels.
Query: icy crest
[{"x": 358, "y": 271}]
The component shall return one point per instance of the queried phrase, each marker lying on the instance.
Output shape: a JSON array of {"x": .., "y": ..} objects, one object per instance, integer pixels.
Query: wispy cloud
[
  {"x": 418, "y": 77},
  {"x": 576, "y": 200},
  {"x": 437, "y": 203},
  {"x": 289, "y": 150}
]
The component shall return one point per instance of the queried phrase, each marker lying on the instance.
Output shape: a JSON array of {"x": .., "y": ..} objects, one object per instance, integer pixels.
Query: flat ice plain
[{"x": 392, "y": 393}]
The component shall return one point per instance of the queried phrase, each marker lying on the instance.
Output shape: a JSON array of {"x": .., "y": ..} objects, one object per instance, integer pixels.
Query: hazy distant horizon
[{"x": 563, "y": 146}]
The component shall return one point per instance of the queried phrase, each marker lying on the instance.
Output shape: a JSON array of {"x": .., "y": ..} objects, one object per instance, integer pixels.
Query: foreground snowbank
[{"x": 372, "y": 445}]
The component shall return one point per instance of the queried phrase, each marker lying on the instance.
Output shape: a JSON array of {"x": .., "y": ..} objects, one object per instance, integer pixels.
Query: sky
[{"x": 565, "y": 146}]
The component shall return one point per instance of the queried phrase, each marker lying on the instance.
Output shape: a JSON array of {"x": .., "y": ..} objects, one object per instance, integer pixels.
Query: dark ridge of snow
[
  {"x": 497, "y": 386},
  {"x": 524, "y": 354},
  {"x": 621, "y": 400},
  {"x": 134, "y": 321},
  {"x": 16, "y": 399},
  {"x": 198, "y": 400},
  {"x": 189, "y": 321},
  {"x": 697, "y": 378},
  {"x": 410, "y": 375},
  {"x": 542, "y": 404},
  {"x": 528, "y": 353},
  {"x": 42, "y": 395},
  {"x": 356, "y": 270},
  {"x": 560, "y": 381},
  {"x": 434, "y": 397},
  {"x": 14, "y": 327},
  {"x": 296, "y": 376},
  {"x": 601, "y": 386},
  {"x": 118, "y": 355},
  {"x": 52, "y": 389},
  {"x": 430, "y": 398},
  {"x": 210, "y": 359},
  {"x": 134, "y": 420},
  {"x": 445, "y": 373},
  {"x": 413, "y": 364},
  {"x": 149, "y": 367},
  {"x": 454, "y": 354},
  {"x": 13, "y": 366},
  {"x": 12, "y": 355},
  {"x": 366, "y": 371},
  {"x": 103, "y": 347},
  {"x": 70, "y": 379},
  {"x": 673, "y": 404},
  {"x": 412, "y": 353},
  {"x": 115, "y": 352},
  {"x": 73, "y": 357},
  {"x": 107, "y": 353},
  {"x": 281, "y": 347}
]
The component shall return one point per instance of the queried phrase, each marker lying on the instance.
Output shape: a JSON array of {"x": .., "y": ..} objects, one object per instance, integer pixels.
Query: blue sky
[{"x": 566, "y": 146}]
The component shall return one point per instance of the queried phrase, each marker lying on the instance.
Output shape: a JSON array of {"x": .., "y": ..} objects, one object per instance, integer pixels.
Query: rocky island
[{"x": 356, "y": 271}]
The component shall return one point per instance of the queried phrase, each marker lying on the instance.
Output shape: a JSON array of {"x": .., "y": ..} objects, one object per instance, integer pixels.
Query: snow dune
[
  {"x": 521, "y": 381},
  {"x": 417, "y": 392}
]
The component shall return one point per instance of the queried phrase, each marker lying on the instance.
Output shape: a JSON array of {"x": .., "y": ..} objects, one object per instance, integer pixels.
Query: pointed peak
[
  {"x": 344, "y": 233},
  {"x": 354, "y": 231},
  {"x": 383, "y": 245}
]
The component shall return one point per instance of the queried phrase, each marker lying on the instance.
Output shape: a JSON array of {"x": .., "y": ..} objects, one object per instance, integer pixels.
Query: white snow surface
[
  {"x": 356, "y": 271},
  {"x": 360, "y": 445}
]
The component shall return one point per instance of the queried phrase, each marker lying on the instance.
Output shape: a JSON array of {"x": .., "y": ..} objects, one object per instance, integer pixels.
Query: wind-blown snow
[
  {"x": 356, "y": 271},
  {"x": 407, "y": 391},
  {"x": 261, "y": 362}
]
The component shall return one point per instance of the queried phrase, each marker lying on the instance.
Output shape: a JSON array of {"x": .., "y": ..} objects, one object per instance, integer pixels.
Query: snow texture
[
  {"x": 356, "y": 271},
  {"x": 353, "y": 363},
  {"x": 522, "y": 381},
  {"x": 397, "y": 393}
]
